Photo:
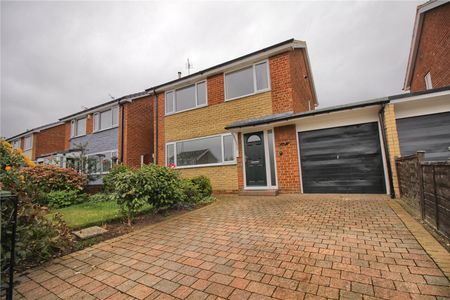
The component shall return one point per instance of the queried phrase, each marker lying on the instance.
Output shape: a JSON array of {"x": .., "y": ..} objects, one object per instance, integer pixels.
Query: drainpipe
[
  {"x": 386, "y": 149},
  {"x": 157, "y": 126},
  {"x": 122, "y": 116}
]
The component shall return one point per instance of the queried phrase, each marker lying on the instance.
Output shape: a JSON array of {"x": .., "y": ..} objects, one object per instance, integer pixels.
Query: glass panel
[
  {"x": 262, "y": 80},
  {"x": 199, "y": 152},
  {"x": 169, "y": 102},
  {"x": 72, "y": 128},
  {"x": 115, "y": 116},
  {"x": 185, "y": 98},
  {"x": 271, "y": 158},
  {"x": 228, "y": 148},
  {"x": 106, "y": 162},
  {"x": 239, "y": 83},
  {"x": 81, "y": 126},
  {"x": 253, "y": 138},
  {"x": 27, "y": 143},
  {"x": 201, "y": 93},
  {"x": 96, "y": 122},
  {"x": 105, "y": 119},
  {"x": 170, "y": 155}
]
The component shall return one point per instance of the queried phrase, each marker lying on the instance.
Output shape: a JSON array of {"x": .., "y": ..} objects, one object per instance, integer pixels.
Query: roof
[
  {"x": 106, "y": 104},
  {"x": 265, "y": 52},
  {"x": 36, "y": 129},
  {"x": 421, "y": 10},
  {"x": 291, "y": 115}
]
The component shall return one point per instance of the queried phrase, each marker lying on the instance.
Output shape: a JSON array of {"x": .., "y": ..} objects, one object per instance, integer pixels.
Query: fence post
[
  {"x": 436, "y": 201},
  {"x": 419, "y": 170}
]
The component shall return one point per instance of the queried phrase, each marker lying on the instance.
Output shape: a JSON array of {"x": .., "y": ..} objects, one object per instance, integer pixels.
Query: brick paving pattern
[{"x": 285, "y": 247}]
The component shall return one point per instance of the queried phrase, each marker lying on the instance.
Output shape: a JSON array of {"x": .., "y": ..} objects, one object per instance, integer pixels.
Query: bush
[
  {"x": 191, "y": 192},
  {"x": 99, "y": 197},
  {"x": 48, "y": 178},
  {"x": 108, "y": 179},
  {"x": 58, "y": 199},
  {"x": 203, "y": 185}
]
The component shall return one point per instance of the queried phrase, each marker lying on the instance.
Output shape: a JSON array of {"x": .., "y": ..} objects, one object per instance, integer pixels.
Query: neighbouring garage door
[
  {"x": 430, "y": 133},
  {"x": 344, "y": 159}
]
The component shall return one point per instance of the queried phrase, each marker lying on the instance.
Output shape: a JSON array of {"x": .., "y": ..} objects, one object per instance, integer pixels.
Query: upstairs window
[
  {"x": 247, "y": 81},
  {"x": 78, "y": 127},
  {"x": 27, "y": 143},
  {"x": 106, "y": 119},
  {"x": 186, "y": 98},
  {"x": 16, "y": 144},
  {"x": 428, "y": 83}
]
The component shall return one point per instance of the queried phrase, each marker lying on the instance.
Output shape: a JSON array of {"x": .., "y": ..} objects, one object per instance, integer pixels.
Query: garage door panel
[
  {"x": 342, "y": 160},
  {"x": 430, "y": 133}
]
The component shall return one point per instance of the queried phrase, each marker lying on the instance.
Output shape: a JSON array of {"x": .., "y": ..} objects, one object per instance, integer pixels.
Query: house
[
  {"x": 192, "y": 112},
  {"x": 120, "y": 130},
  {"x": 429, "y": 57},
  {"x": 40, "y": 141}
]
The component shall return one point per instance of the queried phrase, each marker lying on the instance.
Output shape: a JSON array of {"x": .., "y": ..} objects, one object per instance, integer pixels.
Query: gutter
[{"x": 386, "y": 149}]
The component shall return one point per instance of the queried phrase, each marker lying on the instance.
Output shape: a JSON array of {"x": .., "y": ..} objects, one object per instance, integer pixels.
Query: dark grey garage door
[
  {"x": 430, "y": 133},
  {"x": 342, "y": 160}
]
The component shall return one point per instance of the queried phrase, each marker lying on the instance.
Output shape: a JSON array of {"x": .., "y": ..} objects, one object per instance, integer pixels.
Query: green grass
[{"x": 92, "y": 213}]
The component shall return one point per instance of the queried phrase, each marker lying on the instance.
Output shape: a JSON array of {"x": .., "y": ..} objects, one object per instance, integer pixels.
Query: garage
[
  {"x": 346, "y": 159},
  {"x": 430, "y": 133}
]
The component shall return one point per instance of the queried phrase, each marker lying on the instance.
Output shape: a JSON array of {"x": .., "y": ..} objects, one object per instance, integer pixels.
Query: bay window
[
  {"x": 247, "y": 81},
  {"x": 186, "y": 98},
  {"x": 213, "y": 150},
  {"x": 101, "y": 163}
]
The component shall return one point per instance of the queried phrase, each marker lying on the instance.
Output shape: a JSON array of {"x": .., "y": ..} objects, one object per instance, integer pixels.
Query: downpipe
[{"x": 386, "y": 149}]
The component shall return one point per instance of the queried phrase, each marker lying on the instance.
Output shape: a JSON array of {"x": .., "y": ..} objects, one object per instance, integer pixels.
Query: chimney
[{"x": 179, "y": 74}]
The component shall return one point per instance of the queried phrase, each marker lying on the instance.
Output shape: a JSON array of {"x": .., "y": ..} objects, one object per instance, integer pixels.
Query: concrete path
[{"x": 285, "y": 247}]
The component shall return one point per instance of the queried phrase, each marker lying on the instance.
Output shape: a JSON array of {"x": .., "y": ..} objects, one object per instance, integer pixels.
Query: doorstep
[{"x": 270, "y": 192}]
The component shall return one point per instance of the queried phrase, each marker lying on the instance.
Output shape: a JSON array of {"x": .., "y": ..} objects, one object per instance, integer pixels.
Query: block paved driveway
[{"x": 285, "y": 247}]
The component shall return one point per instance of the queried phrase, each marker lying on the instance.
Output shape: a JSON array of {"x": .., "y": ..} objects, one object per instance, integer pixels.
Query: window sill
[
  {"x": 184, "y": 110},
  {"x": 231, "y": 163},
  {"x": 248, "y": 95},
  {"x": 105, "y": 129},
  {"x": 78, "y": 136}
]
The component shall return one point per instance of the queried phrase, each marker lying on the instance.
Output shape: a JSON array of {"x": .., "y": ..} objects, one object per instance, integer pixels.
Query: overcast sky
[{"x": 59, "y": 56}]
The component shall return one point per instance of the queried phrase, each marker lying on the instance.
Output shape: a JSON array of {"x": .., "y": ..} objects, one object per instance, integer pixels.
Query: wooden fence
[{"x": 425, "y": 189}]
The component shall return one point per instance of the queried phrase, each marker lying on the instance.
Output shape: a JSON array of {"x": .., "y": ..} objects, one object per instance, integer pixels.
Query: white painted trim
[
  {"x": 421, "y": 108},
  {"x": 300, "y": 173},
  {"x": 98, "y": 113},
  {"x": 274, "y": 157},
  {"x": 255, "y": 90},
  {"x": 174, "y": 91}
]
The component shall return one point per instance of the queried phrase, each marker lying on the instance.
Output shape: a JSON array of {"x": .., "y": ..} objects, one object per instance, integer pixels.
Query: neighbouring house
[
  {"x": 429, "y": 57},
  {"x": 40, "y": 141},
  {"x": 120, "y": 130},
  {"x": 192, "y": 112}
]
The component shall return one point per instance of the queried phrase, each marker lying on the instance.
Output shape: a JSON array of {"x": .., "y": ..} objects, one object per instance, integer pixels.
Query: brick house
[
  {"x": 191, "y": 114},
  {"x": 429, "y": 57},
  {"x": 40, "y": 141}
]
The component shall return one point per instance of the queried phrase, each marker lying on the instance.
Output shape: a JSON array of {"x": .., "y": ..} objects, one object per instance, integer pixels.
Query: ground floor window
[
  {"x": 211, "y": 150},
  {"x": 94, "y": 163}
]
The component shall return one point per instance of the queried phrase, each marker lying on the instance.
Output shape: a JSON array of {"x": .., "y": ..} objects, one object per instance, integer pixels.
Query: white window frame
[
  {"x": 174, "y": 91},
  {"x": 24, "y": 142},
  {"x": 98, "y": 115},
  {"x": 223, "y": 163},
  {"x": 74, "y": 127},
  {"x": 102, "y": 152},
  {"x": 255, "y": 91},
  {"x": 428, "y": 81},
  {"x": 16, "y": 144}
]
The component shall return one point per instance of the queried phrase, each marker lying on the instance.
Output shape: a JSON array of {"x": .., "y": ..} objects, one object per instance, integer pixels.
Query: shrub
[
  {"x": 99, "y": 197},
  {"x": 48, "y": 178},
  {"x": 191, "y": 192},
  {"x": 128, "y": 193},
  {"x": 108, "y": 179},
  {"x": 203, "y": 185},
  {"x": 161, "y": 186},
  {"x": 58, "y": 199}
]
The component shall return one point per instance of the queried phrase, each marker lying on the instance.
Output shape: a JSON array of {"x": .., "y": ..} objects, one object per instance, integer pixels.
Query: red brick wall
[
  {"x": 216, "y": 93},
  {"x": 433, "y": 54},
  {"x": 67, "y": 135},
  {"x": 138, "y": 131},
  {"x": 286, "y": 153},
  {"x": 302, "y": 94},
  {"x": 50, "y": 140},
  {"x": 280, "y": 80},
  {"x": 89, "y": 123}
]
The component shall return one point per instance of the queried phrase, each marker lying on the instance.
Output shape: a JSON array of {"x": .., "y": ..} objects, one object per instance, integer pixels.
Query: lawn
[{"x": 92, "y": 213}]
